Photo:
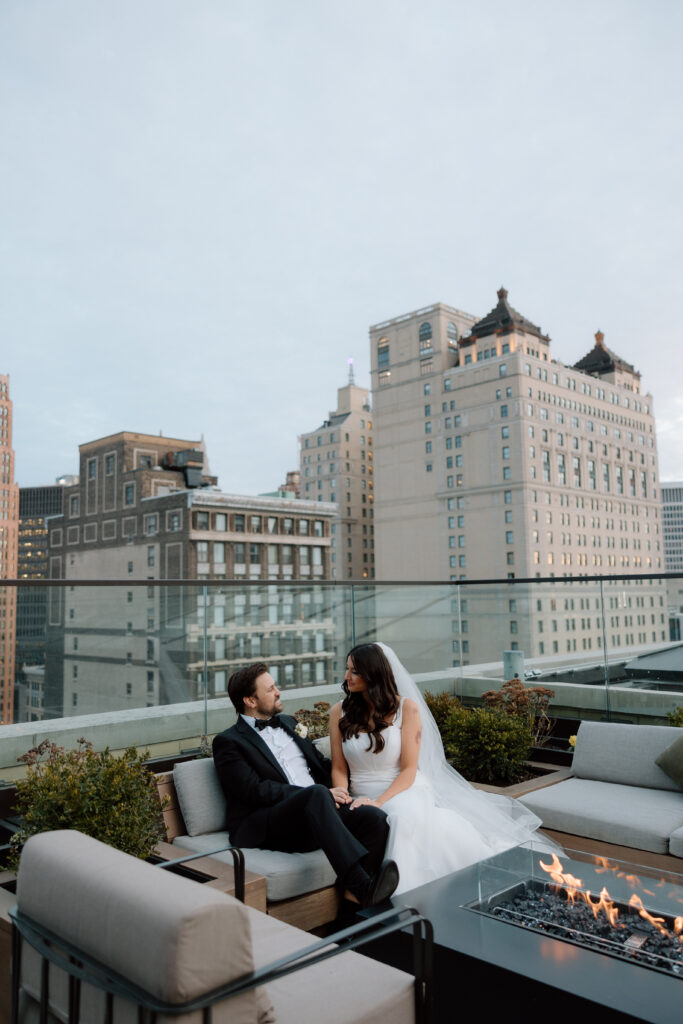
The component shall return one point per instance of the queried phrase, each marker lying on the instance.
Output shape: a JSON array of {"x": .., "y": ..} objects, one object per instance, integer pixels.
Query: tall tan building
[
  {"x": 146, "y": 508},
  {"x": 495, "y": 461},
  {"x": 9, "y": 534},
  {"x": 337, "y": 466}
]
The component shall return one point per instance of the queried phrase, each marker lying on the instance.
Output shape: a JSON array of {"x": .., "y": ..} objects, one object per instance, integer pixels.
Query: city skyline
[{"x": 206, "y": 211}]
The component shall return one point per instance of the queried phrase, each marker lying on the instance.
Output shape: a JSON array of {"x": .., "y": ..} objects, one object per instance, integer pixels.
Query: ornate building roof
[
  {"x": 601, "y": 360},
  {"x": 503, "y": 319}
]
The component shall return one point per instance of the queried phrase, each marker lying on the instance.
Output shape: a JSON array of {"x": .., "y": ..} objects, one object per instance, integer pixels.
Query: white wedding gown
[{"x": 425, "y": 840}]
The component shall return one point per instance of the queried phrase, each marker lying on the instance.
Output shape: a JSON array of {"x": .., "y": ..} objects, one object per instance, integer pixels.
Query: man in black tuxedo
[{"x": 280, "y": 796}]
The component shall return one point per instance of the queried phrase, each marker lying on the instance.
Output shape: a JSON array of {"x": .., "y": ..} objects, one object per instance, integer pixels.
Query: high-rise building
[
  {"x": 147, "y": 508},
  {"x": 35, "y": 505},
  {"x": 672, "y": 534},
  {"x": 9, "y": 528},
  {"x": 337, "y": 466},
  {"x": 493, "y": 460}
]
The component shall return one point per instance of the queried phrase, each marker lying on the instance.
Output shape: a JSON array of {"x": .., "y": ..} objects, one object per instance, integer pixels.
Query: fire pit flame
[{"x": 658, "y": 922}]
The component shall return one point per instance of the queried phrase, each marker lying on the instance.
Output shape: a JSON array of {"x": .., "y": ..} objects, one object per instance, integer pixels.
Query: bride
[{"x": 387, "y": 751}]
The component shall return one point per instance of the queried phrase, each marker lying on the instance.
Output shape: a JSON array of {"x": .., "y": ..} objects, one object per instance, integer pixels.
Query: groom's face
[{"x": 265, "y": 701}]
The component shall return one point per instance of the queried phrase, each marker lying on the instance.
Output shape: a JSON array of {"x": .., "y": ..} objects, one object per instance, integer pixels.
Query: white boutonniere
[{"x": 301, "y": 730}]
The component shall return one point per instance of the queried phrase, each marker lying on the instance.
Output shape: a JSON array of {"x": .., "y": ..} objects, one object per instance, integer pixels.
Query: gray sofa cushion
[
  {"x": 671, "y": 761},
  {"x": 676, "y": 842},
  {"x": 624, "y": 754},
  {"x": 348, "y": 989},
  {"x": 286, "y": 874},
  {"x": 200, "y": 796},
  {"x": 174, "y": 938},
  {"x": 626, "y": 815}
]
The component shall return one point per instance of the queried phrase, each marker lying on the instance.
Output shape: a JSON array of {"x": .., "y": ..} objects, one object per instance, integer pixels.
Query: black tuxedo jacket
[{"x": 251, "y": 777}]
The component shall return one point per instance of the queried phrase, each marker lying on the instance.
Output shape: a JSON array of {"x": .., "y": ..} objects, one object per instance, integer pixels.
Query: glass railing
[{"x": 152, "y": 659}]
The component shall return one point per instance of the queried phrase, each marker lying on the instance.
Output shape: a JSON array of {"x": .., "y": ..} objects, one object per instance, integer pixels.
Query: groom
[{"x": 280, "y": 796}]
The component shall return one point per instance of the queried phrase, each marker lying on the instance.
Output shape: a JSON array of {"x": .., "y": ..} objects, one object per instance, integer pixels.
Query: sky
[{"x": 205, "y": 205}]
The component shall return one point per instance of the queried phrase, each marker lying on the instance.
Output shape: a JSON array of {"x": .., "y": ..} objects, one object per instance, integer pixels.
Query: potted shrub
[
  {"x": 483, "y": 744},
  {"x": 114, "y": 799}
]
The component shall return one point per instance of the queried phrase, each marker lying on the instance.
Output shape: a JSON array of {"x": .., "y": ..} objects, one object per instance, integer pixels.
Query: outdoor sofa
[
  {"x": 300, "y": 887},
  {"x": 617, "y": 792},
  {"x": 91, "y": 920}
]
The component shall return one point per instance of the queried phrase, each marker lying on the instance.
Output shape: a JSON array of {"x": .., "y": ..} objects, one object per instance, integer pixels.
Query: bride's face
[{"x": 355, "y": 683}]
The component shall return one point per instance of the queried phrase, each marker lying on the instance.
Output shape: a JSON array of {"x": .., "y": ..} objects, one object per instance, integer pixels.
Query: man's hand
[{"x": 340, "y": 795}]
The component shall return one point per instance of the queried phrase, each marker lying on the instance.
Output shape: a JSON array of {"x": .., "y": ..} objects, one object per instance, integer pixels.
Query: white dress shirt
[{"x": 285, "y": 751}]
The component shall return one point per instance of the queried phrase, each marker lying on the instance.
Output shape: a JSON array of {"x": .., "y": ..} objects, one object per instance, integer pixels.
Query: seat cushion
[
  {"x": 624, "y": 754},
  {"x": 347, "y": 989},
  {"x": 286, "y": 874},
  {"x": 626, "y": 815},
  {"x": 200, "y": 796},
  {"x": 173, "y": 938}
]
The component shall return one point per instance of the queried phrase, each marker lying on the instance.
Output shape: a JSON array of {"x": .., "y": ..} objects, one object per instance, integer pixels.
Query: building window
[
  {"x": 150, "y": 555},
  {"x": 92, "y": 469},
  {"x": 382, "y": 353},
  {"x": 129, "y": 494},
  {"x": 239, "y": 523},
  {"x": 255, "y": 524},
  {"x": 506, "y": 452},
  {"x": 202, "y": 521},
  {"x": 425, "y": 366},
  {"x": 503, "y": 368},
  {"x": 74, "y": 503},
  {"x": 109, "y": 465},
  {"x": 384, "y": 378},
  {"x": 425, "y": 335},
  {"x": 452, "y": 335},
  {"x": 503, "y": 412}
]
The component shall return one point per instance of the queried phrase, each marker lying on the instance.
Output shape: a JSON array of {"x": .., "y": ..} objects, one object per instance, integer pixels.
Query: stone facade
[
  {"x": 146, "y": 510},
  {"x": 495, "y": 461},
  {"x": 337, "y": 466},
  {"x": 9, "y": 533}
]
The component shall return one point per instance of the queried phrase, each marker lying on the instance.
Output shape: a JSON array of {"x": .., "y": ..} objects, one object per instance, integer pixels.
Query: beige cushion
[
  {"x": 671, "y": 761},
  {"x": 347, "y": 989},
  {"x": 174, "y": 938}
]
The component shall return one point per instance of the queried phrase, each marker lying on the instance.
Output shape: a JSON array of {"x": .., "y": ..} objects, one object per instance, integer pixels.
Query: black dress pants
[{"x": 310, "y": 820}]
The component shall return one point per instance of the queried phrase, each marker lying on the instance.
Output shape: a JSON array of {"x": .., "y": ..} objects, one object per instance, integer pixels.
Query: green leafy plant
[
  {"x": 530, "y": 703},
  {"x": 113, "y": 799},
  {"x": 317, "y": 720},
  {"x": 676, "y": 717},
  {"x": 441, "y": 706},
  {"x": 487, "y": 746},
  {"x": 484, "y": 745}
]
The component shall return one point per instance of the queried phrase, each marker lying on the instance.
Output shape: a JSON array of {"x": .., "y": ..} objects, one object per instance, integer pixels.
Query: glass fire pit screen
[{"x": 604, "y": 905}]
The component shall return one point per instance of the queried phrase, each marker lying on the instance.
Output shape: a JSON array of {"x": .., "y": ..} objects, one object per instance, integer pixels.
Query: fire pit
[
  {"x": 506, "y": 929},
  {"x": 553, "y": 901}
]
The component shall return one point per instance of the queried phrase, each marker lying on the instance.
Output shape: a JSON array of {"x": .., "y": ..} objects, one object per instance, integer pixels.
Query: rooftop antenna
[{"x": 352, "y": 379}]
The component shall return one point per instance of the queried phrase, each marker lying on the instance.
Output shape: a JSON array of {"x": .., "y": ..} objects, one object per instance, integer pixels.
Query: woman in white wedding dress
[{"x": 387, "y": 751}]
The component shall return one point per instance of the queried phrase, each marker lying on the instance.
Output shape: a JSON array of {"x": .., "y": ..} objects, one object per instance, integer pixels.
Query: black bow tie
[{"x": 264, "y": 723}]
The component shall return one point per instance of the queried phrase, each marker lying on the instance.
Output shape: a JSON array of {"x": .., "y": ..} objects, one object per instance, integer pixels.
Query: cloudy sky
[{"x": 204, "y": 205}]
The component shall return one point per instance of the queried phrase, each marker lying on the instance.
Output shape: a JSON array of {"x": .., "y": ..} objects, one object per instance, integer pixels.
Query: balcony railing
[{"x": 148, "y": 662}]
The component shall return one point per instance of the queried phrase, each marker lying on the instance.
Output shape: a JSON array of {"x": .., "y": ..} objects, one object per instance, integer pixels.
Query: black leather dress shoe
[{"x": 382, "y": 886}]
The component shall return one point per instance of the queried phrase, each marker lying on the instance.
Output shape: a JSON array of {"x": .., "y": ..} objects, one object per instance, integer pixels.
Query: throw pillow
[{"x": 671, "y": 761}]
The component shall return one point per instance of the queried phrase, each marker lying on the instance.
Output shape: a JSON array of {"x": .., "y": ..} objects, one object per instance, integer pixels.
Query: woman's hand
[
  {"x": 340, "y": 795},
  {"x": 363, "y": 801}
]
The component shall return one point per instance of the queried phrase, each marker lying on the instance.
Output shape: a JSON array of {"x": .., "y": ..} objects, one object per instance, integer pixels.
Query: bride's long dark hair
[{"x": 367, "y": 715}]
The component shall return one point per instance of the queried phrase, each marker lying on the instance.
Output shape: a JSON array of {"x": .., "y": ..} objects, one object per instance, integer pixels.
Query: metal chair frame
[{"x": 82, "y": 968}]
